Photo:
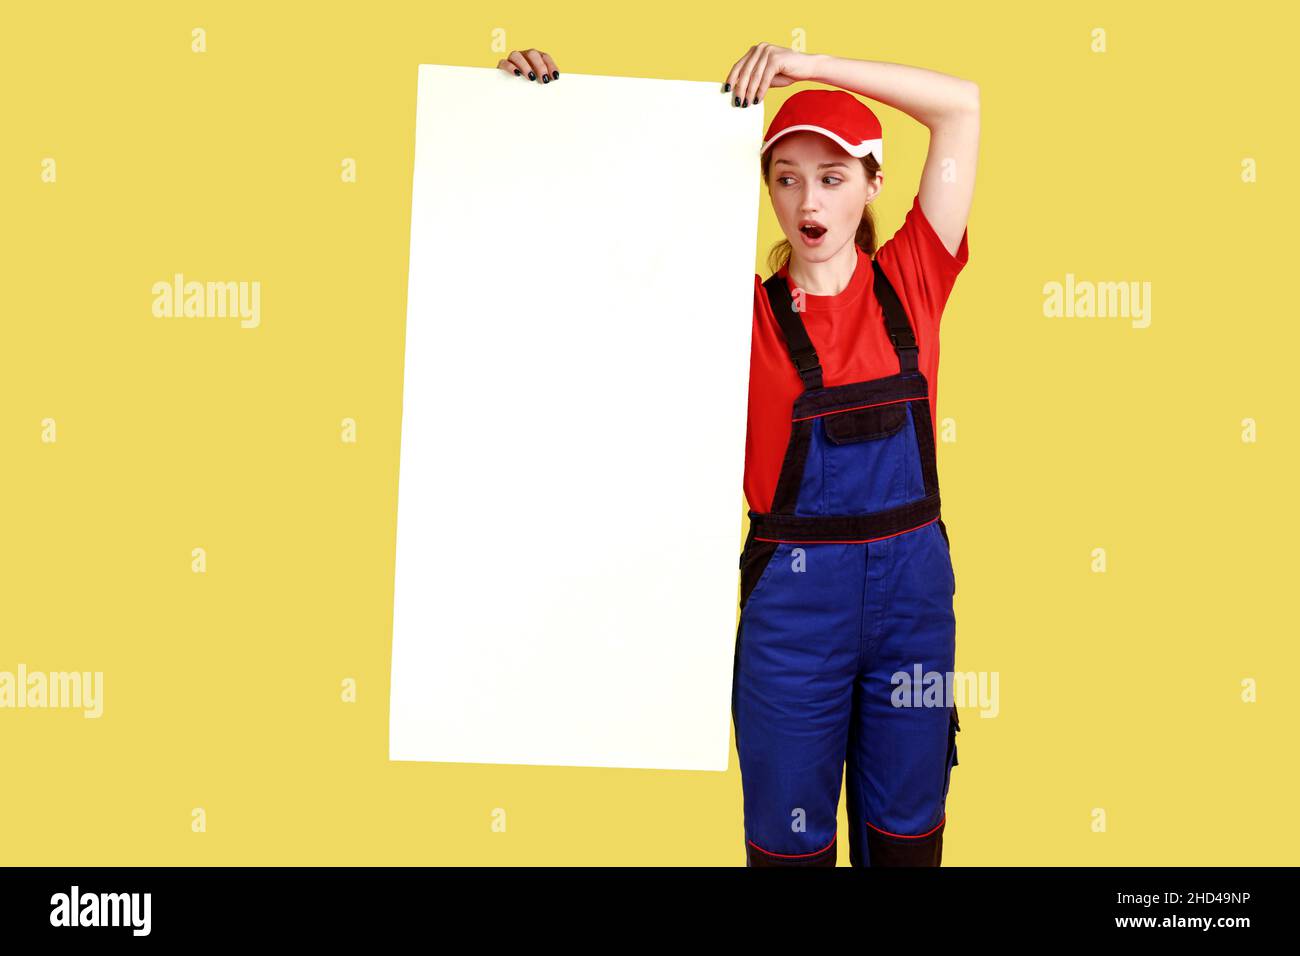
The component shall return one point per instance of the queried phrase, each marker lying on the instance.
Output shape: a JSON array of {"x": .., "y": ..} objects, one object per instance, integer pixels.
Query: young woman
[{"x": 847, "y": 637}]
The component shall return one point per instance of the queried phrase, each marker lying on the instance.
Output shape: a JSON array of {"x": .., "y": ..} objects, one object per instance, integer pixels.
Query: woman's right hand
[{"x": 531, "y": 64}]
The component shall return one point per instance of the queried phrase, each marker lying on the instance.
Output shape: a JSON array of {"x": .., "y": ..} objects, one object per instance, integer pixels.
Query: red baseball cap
[{"x": 834, "y": 113}]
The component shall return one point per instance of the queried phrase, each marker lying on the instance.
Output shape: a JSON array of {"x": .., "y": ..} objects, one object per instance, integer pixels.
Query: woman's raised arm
[{"x": 947, "y": 105}]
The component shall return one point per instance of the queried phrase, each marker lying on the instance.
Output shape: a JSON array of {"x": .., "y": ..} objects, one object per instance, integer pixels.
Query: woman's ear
[{"x": 879, "y": 184}]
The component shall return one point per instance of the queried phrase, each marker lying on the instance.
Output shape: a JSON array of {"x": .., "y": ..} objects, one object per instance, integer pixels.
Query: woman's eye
[{"x": 837, "y": 179}]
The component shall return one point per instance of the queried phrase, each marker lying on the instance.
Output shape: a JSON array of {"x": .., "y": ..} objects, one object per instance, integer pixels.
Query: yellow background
[{"x": 1119, "y": 691}]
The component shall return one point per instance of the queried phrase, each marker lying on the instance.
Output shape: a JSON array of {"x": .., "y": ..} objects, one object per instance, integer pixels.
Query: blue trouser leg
[
  {"x": 796, "y": 663},
  {"x": 900, "y": 757}
]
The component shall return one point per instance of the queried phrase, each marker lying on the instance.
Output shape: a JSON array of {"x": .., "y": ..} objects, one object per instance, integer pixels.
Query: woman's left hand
[{"x": 767, "y": 65}]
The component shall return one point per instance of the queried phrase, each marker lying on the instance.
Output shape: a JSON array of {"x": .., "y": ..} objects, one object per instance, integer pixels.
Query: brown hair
[{"x": 866, "y": 235}]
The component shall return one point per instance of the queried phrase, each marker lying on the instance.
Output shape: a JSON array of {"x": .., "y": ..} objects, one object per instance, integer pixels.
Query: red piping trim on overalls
[
  {"x": 907, "y": 836},
  {"x": 791, "y": 856},
  {"x": 861, "y": 541},
  {"x": 836, "y": 411}
]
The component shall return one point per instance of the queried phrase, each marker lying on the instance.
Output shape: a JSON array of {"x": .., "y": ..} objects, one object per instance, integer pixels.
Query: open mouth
[{"x": 813, "y": 231}]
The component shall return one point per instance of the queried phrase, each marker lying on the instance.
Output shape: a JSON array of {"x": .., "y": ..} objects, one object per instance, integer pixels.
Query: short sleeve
[{"x": 917, "y": 256}]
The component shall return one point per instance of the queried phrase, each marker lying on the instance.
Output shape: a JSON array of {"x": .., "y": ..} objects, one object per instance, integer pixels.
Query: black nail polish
[
  {"x": 532, "y": 75},
  {"x": 555, "y": 74},
  {"x": 726, "y": 87},
  {"x": 735, "y": 101},
  {"x": 545, "y": 78},
  {"x": 517, "y": 73},
  {"x": 744, "y": 105}
]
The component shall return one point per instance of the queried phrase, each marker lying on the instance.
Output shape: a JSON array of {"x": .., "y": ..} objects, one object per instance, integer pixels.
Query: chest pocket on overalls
[
  {"x": 865, "y": 424},
  {"x": 864, "y": 459}
]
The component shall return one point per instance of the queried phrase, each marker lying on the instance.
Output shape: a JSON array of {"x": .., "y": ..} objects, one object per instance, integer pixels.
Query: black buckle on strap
[{"x": 805, "y": 360}]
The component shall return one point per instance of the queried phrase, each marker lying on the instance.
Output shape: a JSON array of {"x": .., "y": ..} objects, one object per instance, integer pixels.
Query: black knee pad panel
[
  {"x": 760, "y": 857},
  {"x": 885, "y": 849}
]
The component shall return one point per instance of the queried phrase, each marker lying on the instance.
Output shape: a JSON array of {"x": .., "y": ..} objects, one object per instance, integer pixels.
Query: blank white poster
[{"x": 573, "y": 422}]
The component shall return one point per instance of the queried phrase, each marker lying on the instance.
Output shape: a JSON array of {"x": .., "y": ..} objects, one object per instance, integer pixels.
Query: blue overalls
[{"x": 846, "y": 583}]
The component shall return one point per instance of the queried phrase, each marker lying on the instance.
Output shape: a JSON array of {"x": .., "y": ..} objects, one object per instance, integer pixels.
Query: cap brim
[{"x": 872, "y": 146}]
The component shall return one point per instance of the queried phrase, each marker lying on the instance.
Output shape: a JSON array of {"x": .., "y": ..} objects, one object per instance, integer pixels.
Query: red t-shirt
[{"x": 848, "y": 332}]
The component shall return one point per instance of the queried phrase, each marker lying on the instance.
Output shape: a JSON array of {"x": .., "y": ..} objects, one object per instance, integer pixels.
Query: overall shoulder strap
[
  {"x": 896, "y": 324},
  {"x": 797, "y": 342}
]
